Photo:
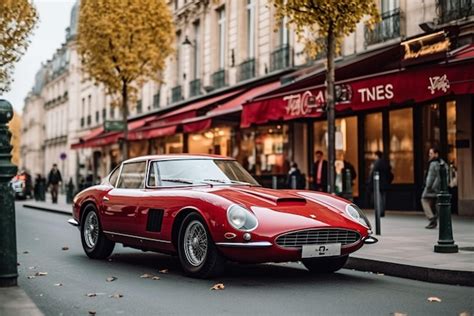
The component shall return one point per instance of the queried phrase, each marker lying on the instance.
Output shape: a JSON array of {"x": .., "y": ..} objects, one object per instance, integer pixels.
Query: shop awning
[
  {"x": 366, "y": 92},
  {"x": 147, "y": 133},
  {"x": 201, "y": 123}
]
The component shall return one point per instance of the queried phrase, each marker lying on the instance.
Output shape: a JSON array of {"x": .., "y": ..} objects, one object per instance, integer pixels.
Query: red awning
[
  {"x": 378, "y": 90},
  {"x": 148, "y": 133}
]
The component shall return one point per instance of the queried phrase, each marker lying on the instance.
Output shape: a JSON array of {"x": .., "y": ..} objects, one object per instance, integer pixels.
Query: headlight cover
[
  {"x": 354, "y": 212},
  {"x": 240, "y": 218}
]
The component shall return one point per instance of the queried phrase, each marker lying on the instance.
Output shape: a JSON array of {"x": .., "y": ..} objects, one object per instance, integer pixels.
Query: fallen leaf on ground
[
  {"x": 91, "y": 294},
  {"x": 155, "y": 278},
  {"x": 465, "y": 313},
  {"x": 218, "y": 286},
  {"x": 378, "y": 273},
  {"x": 65, "y": 248},
  {"x": 92, "y": 312},
  {"x": 32, "y": 268},
  {"x": 164, "y": 271},
  {"x": 111, "y": 279},
  {"x": 116, "y": 295},
  {"x": 434, "y": 299},
  {"x": 30, "y": 277},
  {"x": 25, "y": 252},
  {"x": 18, "y": 264},
  {"x": 41, "y": 273},
  {"x": 398, "y": 314},
  {"x": 58, "y": 284},
  {"x": 146, "y": 276}
]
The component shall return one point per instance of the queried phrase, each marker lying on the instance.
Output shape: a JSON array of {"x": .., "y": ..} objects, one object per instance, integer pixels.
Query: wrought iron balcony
[
  {"x": 195, "y": 87},
  {"x": 281, "y": 58},
  {"x": 450, "y": 10},
  {"x": 156, "y": 101},
  {"x": 176, "y": 94},
  {"x": 219, "y": 79},
  {"x": 385, "y": 30},
  {"x": 247, "y": 70}
]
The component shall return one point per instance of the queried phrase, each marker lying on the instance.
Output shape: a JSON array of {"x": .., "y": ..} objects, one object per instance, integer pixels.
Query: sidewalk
[
  {"x": 60, "y": 207},
  {"x": 405, "y": 247},
  {"x": 14, "y": 302}
]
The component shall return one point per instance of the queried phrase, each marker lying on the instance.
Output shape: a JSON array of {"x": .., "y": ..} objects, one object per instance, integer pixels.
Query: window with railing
[
  {"x": 104, "y": 114},
  {"x": 219, "y": 79},
  {"x": 247, "y": 69},
  {"x": 385, "y": 30},
  {"x": 89, "y": 120},
  {"x": 195, "y": 87},
  {"x": 281, "y": 58},
  {"x": 156, "y": 101},
  {"x": 450, "y": 10},
  {"x": 97, "y": 116},
  {"x": 176, "y": 94},
  {"x": 139, "y": 107},
  {"x": 82, "y": 122}
]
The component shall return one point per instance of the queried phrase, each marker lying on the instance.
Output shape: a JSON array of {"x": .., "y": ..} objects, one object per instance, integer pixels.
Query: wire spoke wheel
[
  {"x": 91, "y": 229},
  {"x": 195, "y": 243}
]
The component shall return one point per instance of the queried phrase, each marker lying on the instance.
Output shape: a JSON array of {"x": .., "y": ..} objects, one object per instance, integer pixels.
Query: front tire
[
  {"x": 94, "y": 242},
  {"x": 197, "y": 253},
  {"x": 325, "y": 265}
]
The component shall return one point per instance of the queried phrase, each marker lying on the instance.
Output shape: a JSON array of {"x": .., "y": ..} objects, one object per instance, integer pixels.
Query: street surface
[{"x": 277, "y": 289}]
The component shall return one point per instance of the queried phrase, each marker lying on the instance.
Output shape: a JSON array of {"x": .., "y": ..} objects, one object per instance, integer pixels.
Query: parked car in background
[
  {"x": 208, "y": 209},
  {"x": 22, "y": 185}
]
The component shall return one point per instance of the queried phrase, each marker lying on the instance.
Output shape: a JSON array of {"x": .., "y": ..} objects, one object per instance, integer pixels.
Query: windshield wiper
[
  {"x": 215, "y": 180},
  {"x": 229, "y": 181},
  {"x": 177, "y": 180}
]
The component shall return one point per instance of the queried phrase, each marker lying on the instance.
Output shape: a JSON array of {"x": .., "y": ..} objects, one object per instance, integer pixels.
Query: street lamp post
[{"x": 8, "y": 256}]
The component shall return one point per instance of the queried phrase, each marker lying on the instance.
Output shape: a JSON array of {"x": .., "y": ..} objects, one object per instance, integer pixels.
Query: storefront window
[
  {"x": 346, "y": 148},
  {"x": 431, "y": 128},
  {"x": 373, "y": 140},
  {"x": 451, "y": 125},
  {"x": 401, "y": 145},
  {"x": 137, "y": 148},
  {"x": 214, "y": 141},
  {"x": 168, "y": 145}
]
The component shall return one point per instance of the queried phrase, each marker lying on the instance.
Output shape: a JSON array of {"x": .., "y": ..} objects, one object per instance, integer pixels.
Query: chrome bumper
[
  {"x": 370, "y": 240},
  {"x": 73, "y": 222},
  {"x": 252, "y": 244}
]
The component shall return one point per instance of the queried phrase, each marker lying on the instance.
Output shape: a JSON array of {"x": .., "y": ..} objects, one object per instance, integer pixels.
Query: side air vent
[{"x": 155, "y": 219}]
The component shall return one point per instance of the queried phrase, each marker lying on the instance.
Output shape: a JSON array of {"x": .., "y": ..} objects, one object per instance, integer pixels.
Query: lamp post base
[
  {"x": 9, "y": 281},
  {"x": 446, "y": 248}
]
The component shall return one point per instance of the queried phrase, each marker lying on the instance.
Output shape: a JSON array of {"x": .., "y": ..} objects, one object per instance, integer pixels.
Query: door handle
[{"x": 105, "y": 199}]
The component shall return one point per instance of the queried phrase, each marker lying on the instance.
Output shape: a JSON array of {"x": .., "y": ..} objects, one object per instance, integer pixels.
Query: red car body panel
[{"x": 123, "y": 215}]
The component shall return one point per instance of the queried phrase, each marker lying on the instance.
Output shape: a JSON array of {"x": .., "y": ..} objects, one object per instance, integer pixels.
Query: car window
[
  {"x": 113, "y": 176},
  {"x": 132, "y": 176},
  {"x": 153, "y": 175}
]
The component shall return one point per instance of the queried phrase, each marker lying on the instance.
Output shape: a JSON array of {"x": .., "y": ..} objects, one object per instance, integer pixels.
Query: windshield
[{"x": 198, "y": 171}]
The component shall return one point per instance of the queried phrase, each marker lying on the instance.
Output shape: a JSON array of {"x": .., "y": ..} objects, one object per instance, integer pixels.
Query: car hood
[{"x": 280, "y": 210}]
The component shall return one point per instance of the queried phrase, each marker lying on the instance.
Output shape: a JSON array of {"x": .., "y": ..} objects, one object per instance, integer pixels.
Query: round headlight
[
  {"x": 241, "y": 218},
  {"x": 354, "y": 212}
]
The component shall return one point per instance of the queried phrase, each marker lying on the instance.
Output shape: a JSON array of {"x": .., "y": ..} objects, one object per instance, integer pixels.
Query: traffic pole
[
  {"x": 377, "y": 201},
  {"x": 8, "y": 254},
  {"x": 446, "y": 241}
]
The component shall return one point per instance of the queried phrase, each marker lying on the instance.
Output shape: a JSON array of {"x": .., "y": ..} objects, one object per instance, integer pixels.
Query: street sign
[
  {"x": 110, "y": 126},
  {"x": 63, "y": 156}
]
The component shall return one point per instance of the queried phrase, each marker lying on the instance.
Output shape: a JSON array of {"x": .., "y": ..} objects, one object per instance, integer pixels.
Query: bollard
[
  {"x": 377, "y": 202},
  {"x": 8, "y": 252},
  {"x": 274, "y": 182},
  {"x": 42, "y": 190},
  {"x": 446, "y": 241},
  {"x": 293, "y": 182},
  {"x": 347, "y": 185},
  {"x": 69, "y": 192}
]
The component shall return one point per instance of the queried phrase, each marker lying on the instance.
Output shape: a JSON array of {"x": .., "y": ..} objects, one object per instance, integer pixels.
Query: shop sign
[
  {"x": 113, "y": 126},
  {"x": 303, "y": 103},
  {"x": 376, "y": 93},
  {"x": 439, "y": 83},
  {"x": 429, "y": 46}
]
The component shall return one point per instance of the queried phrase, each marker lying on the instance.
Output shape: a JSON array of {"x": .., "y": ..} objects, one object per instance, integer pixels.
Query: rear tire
[
  {"x": 94, "y": 242},
  {"x": 197, "y": 253},
  {"x": 325, "y": 265}
]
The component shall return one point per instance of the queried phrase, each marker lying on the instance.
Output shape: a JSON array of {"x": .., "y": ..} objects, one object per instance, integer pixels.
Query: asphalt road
[{"x": 277, "y": 289}]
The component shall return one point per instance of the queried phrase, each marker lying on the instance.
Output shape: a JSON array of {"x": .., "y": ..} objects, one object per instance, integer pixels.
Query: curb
[
  {"x": 426, "y": 274},
  {"x": 47, "y": 209}
]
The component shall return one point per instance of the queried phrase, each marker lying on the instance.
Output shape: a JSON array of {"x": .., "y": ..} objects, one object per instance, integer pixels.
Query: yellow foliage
[
  {"x": 124, "y": 43},
  {"x": 17, "y": 20},
  {"x": 317, "y": 18},
  {"x": 15, "y": 128}
]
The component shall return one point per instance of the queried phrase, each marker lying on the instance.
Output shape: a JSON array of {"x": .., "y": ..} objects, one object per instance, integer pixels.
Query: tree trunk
[
  {"x": 330, "y": 78},
  {"x": 124, "y": 142}
]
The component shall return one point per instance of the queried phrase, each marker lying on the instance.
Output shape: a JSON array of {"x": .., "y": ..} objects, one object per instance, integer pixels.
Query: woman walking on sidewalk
[{"x": 431, "y": 188}]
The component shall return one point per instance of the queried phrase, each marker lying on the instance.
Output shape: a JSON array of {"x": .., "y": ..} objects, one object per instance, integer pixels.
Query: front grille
[{"x": 317, "y": 237}]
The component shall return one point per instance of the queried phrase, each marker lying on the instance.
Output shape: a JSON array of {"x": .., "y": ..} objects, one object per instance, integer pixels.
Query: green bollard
[
  {"x": 69, "y": 192},
  {"x": 8, "y": 255},
  {"x": 446, "y": 241}
]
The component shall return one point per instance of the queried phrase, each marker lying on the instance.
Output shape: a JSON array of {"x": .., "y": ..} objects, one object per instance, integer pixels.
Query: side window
[
  {"x": 133, "y": 176},
  {"x": 113, "y": 176},
  {"x": 153, "y": 175}
]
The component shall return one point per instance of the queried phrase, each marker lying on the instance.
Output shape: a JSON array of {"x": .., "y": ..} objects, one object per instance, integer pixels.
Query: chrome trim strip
[
  {"x": 255, "y": 244},
  {"x": 73, "y": 222},
  {"x": 138, "y": 237},
  {"x": 370, "y": 240}
]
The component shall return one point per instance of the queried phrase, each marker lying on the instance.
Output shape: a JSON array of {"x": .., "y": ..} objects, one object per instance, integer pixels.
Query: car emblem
[{"x": 230, "y": 235}]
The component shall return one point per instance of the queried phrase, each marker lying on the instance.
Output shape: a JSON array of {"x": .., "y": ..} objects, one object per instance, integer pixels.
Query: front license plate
[{"x": 327, "y": 250}]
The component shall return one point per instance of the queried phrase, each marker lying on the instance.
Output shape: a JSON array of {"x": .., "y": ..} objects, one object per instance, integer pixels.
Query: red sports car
[{"x": 208, "y": 209}]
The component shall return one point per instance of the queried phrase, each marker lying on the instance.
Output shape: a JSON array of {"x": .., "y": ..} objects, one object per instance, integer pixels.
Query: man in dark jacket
[
  {"x": 54, "y": 180},
  {"x": 432, "y": 188},
  {"x": 320, "y": 172},
  {"x": 385, "y": 177}
]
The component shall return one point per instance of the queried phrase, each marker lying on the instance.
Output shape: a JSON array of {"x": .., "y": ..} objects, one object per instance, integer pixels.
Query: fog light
[{"x": 247, "y": 236}]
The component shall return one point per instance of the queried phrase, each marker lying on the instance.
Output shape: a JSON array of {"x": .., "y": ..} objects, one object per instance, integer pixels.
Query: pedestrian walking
[
  {"x": 382, "y": 165},
  {"x": 431, "y": 188},
  {"x": 295, "y": 176},
  {"x": 320, "y": 172},
  {"x": 54, "y": 180}
]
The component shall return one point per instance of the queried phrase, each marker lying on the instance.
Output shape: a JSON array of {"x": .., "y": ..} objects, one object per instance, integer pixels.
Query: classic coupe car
[{"x": 209, "y": 209}]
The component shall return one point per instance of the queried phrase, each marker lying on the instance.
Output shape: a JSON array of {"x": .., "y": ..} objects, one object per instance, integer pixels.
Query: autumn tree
[
  {"x": 123, "y": 44},
  {"x": 330, "y": 20},
  {"x": 17, "y": 20}
]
